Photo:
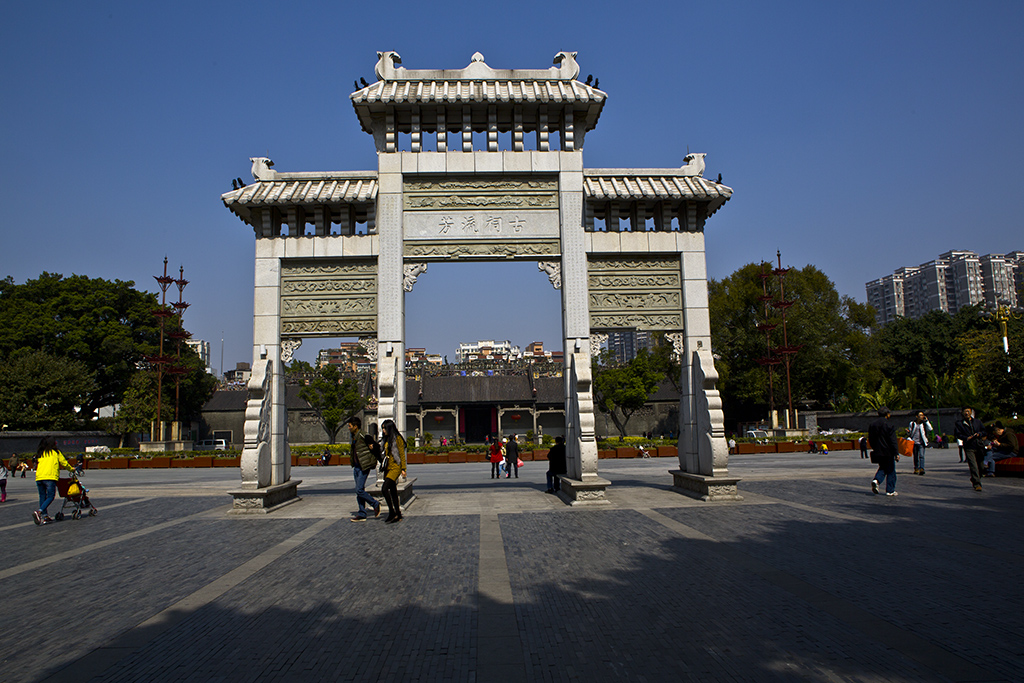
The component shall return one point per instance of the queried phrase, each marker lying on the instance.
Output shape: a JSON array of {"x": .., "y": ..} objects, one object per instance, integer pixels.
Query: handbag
[{"x": 519, "y": 462}]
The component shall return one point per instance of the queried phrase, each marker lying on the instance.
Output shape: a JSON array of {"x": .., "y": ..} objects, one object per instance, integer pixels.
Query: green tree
[
  {"x": 831, "y": 332},
  {"x": 39, "y": 391},
  {"x": 333, "y": 399},
  {"x": 106, "y": 326},
  {"x": 622, "y": 389}
]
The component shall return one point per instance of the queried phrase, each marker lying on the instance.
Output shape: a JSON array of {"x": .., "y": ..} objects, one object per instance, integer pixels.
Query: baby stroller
[{"x": 73, "y": 493}]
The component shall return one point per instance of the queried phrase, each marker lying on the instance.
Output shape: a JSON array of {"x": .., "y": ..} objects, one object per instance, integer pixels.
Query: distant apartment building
[
  {"x": 349, "y": 357},
  {"x": 954, "y": 280},
  {"x": 487, "y": 349},
  {"x": 418, "y": 356},
  {"x": 625, "y": 344},
  {"x": 202, "y": 348}
]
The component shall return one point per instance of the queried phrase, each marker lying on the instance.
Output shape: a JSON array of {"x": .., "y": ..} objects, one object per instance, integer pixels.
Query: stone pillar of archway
[
  {"x": 703, "y": 453},
  {"x": 390, "y": 294},
  {"x": 582, "y": 484}
]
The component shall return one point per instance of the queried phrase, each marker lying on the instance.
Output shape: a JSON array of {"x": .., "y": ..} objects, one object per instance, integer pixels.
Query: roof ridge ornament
[
  {"x": 565, "y": 69},
  {"x": 694, "y": 165}
]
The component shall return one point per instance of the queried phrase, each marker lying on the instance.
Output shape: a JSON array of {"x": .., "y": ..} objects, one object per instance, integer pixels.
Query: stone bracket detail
[
  {"x": 412, "y": 271},
  {"x": 554, "y": 271}
]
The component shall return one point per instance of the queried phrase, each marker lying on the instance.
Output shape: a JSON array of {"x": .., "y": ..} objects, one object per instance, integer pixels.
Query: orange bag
[{"x": 906, "y": 447}]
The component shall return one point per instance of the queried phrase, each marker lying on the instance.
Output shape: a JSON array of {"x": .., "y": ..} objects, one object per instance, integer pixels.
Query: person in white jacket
[{"x": 919, "y": 430}]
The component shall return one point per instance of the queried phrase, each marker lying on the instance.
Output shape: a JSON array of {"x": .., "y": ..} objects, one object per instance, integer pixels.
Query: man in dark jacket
[
  {"x": 884, "y": 451},
  {"x": 363, "y": 459},
  {"x": 1002, "y": 445},
  {"x": 969, "y": 431},
  {"x": 556, "y": 464},
  {"x": 511, "y": 456}
]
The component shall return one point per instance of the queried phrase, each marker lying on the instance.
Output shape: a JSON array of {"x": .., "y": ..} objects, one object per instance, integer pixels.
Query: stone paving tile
[
  {"x": 357, "y": 602},
  {"x": 67, "y": 609},
  {"x": 964, "y": 597},
  {"x": 631, "y": 607},
  {"x": 27, "y": 543}
]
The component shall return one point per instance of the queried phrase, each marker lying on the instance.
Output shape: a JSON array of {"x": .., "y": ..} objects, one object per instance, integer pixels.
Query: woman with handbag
[{"x": 392, "y": 466}]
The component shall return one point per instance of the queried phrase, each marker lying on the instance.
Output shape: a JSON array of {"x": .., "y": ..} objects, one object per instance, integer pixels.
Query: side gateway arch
[{"x": 336, "y": 252}]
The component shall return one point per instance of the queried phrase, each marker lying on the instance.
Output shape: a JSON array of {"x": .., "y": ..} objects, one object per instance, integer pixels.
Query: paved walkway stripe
[
  {"x": 67, "y": 555},
  {"x": 499, "y": 650},
  {"x": 923, "y": 652},
  {"x": 133, "y": 640},
  {"x": 68, "y": 514}
]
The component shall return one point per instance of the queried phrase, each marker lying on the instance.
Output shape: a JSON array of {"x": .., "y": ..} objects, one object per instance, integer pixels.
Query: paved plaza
[{"x": 810, "y": 578}]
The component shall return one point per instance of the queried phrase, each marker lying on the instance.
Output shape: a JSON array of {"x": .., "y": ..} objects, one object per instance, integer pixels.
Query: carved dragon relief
[
  {"x": 255, "y": 459},
  {"x": 712, "y": 449}
]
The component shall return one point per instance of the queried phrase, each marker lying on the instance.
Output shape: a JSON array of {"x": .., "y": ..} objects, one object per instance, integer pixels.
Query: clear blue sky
[{"x": 858, "y": 137}]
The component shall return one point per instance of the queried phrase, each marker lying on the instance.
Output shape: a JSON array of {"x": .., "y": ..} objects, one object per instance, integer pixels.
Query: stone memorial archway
[{"x": 336, "y": 251}]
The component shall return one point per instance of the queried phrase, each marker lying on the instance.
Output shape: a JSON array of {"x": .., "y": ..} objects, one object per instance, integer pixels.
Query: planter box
[
  {"x": 457, "y": 456},
  {"x": 119, "y": 463},
  {"x": 790, "y": 447},
  {"x": 668, "y": 452},
  {"x": 414, "y": 458},
  {"x": 181, "y": 462},
  {"x": 842, "y": 446},
  {"x": 606, "y": 454},
  {"x": 160, "y": 461},
  {"x": 625, "y": 452},
  {"x": 303, "y": 461},
  {"x": 227, "y": 462},
  {"x": 433, "y": 458},
  {"x": 202, "y": 461},
  {"x": 540, "y": 455},
  {"x": 748, "y": 448},
  {"x": 140, "y": 464}
]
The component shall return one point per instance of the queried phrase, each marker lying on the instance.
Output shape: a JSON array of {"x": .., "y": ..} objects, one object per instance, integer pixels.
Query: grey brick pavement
[{"x": 811, "y": 578}]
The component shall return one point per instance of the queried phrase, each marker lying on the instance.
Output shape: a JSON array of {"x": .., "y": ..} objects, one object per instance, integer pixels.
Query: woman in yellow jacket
[
  {"x": 49, "y": 462},
  {"x": 393, "y": 450}
]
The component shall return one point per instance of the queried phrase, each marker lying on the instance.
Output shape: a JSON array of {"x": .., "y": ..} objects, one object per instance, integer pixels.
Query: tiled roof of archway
[
  {"x": 322, "y": 189},
  {"x": 619, "y": 184},
  {"x": 440, "y": 91}
]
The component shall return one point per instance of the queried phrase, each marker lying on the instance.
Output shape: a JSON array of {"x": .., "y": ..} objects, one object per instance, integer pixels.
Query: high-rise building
[
  {"x": 203, "y": 349},
  {"x": 955, "y": 280}
]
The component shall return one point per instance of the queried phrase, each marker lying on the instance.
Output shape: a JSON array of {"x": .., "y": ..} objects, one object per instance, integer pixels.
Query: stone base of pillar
[
  {"x": 405, "y": 492},
  {"x": 588, "y": 492},
  {"x": 704, "y": 487},
  {"x": 265, "y": 500},
  {"x": 162, "y": 446}
]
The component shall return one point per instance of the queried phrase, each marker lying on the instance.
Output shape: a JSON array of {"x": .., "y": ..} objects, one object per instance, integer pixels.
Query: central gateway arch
[{"x": 336, "y": 252}]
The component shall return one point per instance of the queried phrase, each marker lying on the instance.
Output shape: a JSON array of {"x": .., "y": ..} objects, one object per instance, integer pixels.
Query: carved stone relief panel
[
  {"x": 328, "y": 299},
  {"x": 445, "y": 249},
  {"x": 643, "y": 293},
  {"x": 470, "y": 193}
]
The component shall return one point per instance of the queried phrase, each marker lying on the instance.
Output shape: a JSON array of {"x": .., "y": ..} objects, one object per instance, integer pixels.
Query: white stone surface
[{"x": 492, "y": 224}]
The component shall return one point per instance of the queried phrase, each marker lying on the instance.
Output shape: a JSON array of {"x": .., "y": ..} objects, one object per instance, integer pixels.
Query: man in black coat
[
  {"x": 511, "y": 457},
  {"x": 556, "y": 464},
  {"x": 884, "y": 451},
  {"x": 969, "y": 431}
]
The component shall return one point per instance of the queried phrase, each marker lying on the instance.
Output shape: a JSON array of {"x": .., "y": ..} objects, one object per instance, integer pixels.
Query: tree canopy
[
  {"x": 333, "y": 399},
  {"x": 106, "y": 326},
  {"x": 620, "y": 389},
  {"x": 831, "y": 332}
]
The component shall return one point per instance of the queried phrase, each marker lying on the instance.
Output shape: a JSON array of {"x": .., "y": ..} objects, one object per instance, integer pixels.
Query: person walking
[
  {"x": 969, "y": 430},
  {"x": 556, "y": 465},
  {"x": 392, "y": 466},
  {"x": 884, "y": 451},
  {"x": 496, "y": 457},
  {"x": 919, "y": 429},
  {"x": 3, "y": 482},
  {"x": 363, "y": 458},
  {"x": 48, "y": 466},
  {"x": 511, "y": 456},
  {"x": 863, "y": 441}
]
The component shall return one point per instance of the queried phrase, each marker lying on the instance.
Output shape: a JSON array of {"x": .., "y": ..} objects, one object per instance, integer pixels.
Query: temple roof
[
  {"x": 654, "y": 184},
  {"x": 477, "y": 84},
  {"x": 303, "y": 188}
]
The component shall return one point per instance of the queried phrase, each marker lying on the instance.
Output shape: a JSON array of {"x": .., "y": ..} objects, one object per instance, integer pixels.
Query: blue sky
[{"x": 857, "y": 137}]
